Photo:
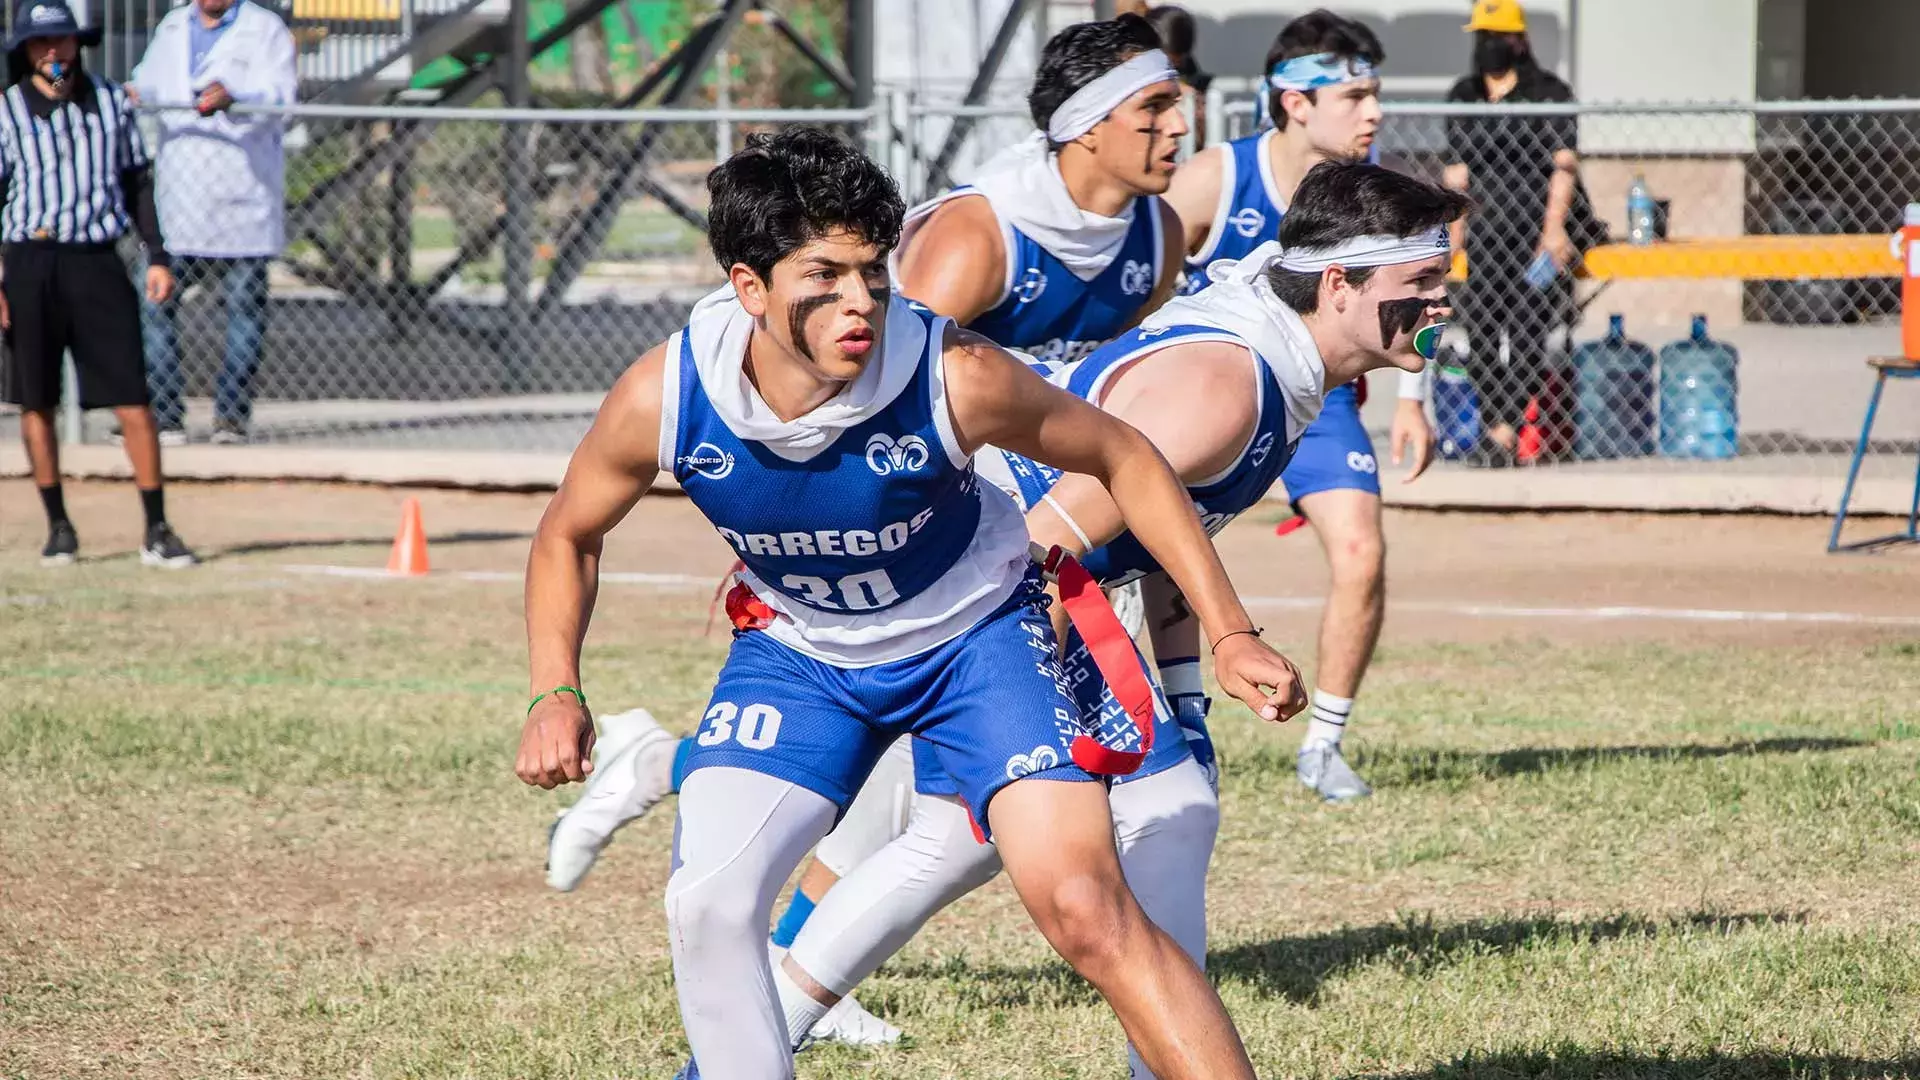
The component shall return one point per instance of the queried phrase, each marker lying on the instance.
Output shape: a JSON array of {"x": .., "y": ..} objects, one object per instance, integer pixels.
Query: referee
[{"x": 76, "y": 177}]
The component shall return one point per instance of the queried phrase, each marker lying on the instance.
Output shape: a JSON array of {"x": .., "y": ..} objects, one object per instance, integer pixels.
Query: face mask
[{"x": 1494, "y": 54}]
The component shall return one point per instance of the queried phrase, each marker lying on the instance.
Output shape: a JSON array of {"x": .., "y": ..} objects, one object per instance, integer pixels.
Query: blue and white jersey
[
  {"x": 1250, "y": 206},
  {"x": 880, "y": 543},
  {"x": 1218, "y": 499},
  {"x": 1249, "y": 210},
  {"x": 1046, "y": 310}
]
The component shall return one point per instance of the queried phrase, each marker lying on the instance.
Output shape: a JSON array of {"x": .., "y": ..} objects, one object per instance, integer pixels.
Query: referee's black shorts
[{"x": 79, "y": 297}]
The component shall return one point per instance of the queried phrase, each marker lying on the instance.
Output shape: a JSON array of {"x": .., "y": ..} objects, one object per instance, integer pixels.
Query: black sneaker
[
  {"x": 63, "y": 545},
  {"x": 165, "y": 549}
]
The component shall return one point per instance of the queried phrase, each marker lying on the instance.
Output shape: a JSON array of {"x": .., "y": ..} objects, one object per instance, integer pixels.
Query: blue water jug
[
  {"x": 1699, "y": 396},
  {"x": 1613, "y": 396},
  {"x": 1456, "y": 412}
]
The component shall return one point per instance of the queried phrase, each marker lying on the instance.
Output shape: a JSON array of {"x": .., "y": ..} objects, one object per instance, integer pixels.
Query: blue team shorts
[
  {"x": 991, "y": 706},
  {"x": 1335, "y": 452},
  {"x": 1102, "y": 713}
]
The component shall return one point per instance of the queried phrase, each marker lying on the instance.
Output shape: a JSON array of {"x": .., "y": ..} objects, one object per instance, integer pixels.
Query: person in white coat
[{"x": 220, "y": 188}]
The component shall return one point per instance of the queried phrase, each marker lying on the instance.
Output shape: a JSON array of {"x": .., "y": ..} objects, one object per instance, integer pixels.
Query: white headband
[
  {"x": 1090, "y": 104},
  {"x": 1368, "y": 251}
]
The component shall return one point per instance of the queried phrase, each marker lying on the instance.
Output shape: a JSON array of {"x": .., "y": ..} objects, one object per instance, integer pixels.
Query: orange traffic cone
[{"x": 410, "y": 543}]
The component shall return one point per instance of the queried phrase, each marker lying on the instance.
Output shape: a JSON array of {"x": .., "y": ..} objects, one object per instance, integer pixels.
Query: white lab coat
[{"x": 220, "y": 181}]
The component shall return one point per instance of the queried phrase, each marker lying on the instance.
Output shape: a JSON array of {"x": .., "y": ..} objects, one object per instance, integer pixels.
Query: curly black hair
[
  {"x": 1082, "y": 53},
  {"x": 1319, "y": 31},
  {"x": 1340, "y": 200},
  {"x": 783, "y": 191}
]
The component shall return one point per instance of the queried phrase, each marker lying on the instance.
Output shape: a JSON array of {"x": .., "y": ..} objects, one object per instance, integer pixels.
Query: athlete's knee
[
  {"x": 1358, "y": 560},
  {"x": 1091, "y": 920},
  {"x": 703, "y": 908}
]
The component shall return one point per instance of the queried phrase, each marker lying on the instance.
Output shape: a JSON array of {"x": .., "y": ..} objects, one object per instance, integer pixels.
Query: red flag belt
[
  {"x": 1113, "y": 654},
  {"x": 1107, "y": 642}
]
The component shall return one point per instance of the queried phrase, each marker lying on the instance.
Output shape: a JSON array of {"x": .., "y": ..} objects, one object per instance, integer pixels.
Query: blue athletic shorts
[
  {"x": 1335, "y": 452},
  {"x": 991, "y": 706},
  {"x": 1099, "y": 710}
]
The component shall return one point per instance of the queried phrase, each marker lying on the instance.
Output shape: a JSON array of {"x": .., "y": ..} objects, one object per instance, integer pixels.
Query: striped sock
[{"x": 1329, "y": 718}]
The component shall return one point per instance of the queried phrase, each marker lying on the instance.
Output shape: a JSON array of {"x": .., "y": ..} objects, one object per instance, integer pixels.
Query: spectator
[
  {"x": 1523, "y": 173},
  {"x": 76, "y": 177},
  {"x": 1176, "y": 30},
  {"x": 221, "y": 189}
]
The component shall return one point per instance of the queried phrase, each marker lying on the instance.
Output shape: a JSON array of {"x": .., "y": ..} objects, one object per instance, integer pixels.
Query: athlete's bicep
[
  {"x": 995, "y": 399},
  {"x": 618, "y": 460},
  {"x": 1195, "y": 403},
  {"x": 1194, "y": 196},
  {"x": 955, "y": 264}
]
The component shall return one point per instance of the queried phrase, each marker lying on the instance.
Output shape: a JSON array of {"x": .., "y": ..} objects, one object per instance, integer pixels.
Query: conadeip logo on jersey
[
  {"x": 886, "y": 455},
  {"x": 1248, "y": 222},
  {"x": 1031, "y": 285},
  {"x": 709, "y": 461}
]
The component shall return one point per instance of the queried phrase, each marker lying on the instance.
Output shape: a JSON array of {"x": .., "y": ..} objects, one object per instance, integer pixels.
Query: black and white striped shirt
[{"x": 64, "y": 163}]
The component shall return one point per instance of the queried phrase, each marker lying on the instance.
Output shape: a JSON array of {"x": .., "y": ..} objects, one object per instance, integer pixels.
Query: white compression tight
[
  {"x": 877, "y": 815},
  {"x": 739, "y": 835},
  {"x": 1165, "y": 826}
]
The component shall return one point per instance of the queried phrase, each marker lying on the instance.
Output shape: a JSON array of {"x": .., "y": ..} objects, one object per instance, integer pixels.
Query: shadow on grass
[
  {"x": 1295, "y": 968},
  {"x": 1577, "y": 1063},
  {"x": 1392, "y": 766},
  {"x": 475, "y": 536}
]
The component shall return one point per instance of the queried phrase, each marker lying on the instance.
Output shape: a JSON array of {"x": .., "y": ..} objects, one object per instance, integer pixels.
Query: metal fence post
[{"x": 517, "y": 236}]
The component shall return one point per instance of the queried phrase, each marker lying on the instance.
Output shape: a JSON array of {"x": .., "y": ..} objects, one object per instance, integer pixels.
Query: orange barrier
[{"x": 1753, "y": 258}]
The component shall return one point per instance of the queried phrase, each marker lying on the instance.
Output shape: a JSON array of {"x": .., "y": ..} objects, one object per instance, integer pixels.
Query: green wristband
[{"x": 538, "y": 698}]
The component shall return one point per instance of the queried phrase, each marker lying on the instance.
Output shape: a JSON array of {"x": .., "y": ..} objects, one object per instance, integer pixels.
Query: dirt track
[{"x": 1452, "y": 575}]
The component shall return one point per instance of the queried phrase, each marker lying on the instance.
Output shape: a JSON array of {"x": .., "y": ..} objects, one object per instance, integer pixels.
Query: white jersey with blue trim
[
  {"x": 876, "y": 544},
  {"x": 1218, "y": 499},
  {"x": 1046, "y": 310}
]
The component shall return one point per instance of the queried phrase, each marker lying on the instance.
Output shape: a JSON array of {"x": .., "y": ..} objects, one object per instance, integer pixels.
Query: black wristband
[{"x": 1256, "y": 631}]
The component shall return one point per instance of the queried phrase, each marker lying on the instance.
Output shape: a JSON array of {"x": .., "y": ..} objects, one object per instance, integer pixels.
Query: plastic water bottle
[
  {"x": 1456, "y": 412},
  {"x": 1640, "y": 212},
  {"x": 1699, "y": 396},
  {"x": 1613, "y": 396}
]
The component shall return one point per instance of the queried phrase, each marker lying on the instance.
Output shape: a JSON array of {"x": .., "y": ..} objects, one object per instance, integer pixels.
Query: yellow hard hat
[{"x": 1499, "y": 16}]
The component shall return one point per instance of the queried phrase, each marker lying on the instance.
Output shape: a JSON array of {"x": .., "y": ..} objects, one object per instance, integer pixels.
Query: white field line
[{"x": 1293, "y": 603}]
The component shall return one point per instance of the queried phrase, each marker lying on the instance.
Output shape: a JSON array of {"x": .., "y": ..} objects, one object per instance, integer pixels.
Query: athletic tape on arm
[{"x": 1090, "y": 104}]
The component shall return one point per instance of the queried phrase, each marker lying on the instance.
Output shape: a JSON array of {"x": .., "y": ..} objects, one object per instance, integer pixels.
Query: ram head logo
[{"x": 886, "y": 455}]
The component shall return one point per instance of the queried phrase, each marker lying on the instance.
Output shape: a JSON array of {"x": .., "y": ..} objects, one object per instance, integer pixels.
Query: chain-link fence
[
  {"x": 467, "y": 279},
  {"x": 1765, "y": 226},
  {"x": 459, "y": 279}
]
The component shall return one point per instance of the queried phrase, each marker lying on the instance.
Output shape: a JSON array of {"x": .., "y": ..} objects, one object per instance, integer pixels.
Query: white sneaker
[
  {"x": 1323, "y": 768},
  {"x": 632, "y": 770},
  {"x": 848, "y": 1024}
]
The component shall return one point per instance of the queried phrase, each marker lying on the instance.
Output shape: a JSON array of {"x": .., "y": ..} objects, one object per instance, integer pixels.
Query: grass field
[{"x": 261, "y": 822}]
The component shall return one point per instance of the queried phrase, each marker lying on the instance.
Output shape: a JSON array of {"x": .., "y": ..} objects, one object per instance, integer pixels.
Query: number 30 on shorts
[{"x": 754, "y": 727}]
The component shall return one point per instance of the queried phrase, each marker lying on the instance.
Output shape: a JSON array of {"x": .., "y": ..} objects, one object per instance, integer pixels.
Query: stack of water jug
[{"x": 1627, "y": 401}]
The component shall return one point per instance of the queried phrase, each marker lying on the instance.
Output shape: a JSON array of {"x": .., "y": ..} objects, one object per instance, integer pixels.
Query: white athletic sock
[
  {"x": 1329, "y": 719},
  {"x": 801, "y": 1010}
]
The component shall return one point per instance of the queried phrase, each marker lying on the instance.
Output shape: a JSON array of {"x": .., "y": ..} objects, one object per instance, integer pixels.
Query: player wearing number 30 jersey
[
  {"x": 1222, "y": 382},
  {"x": 828, "y": 431}
]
